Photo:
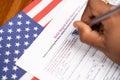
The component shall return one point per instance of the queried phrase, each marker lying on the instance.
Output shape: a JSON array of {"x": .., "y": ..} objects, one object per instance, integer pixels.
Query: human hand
[{"x": 109, "y": 40}]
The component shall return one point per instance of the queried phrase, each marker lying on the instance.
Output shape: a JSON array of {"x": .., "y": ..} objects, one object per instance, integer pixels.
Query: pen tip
[{"x": 75, "y": 32}]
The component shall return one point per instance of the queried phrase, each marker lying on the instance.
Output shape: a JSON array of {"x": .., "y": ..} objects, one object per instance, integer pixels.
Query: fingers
[
  {"x": 87, "y": 14},
  {"x": 98, "y": 7},
  {"x": 89, "y": 36},
  {"x": 94, "y": 8}
]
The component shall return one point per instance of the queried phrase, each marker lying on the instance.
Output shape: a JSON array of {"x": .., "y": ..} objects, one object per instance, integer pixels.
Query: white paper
[{"x": 57, "y": 54}]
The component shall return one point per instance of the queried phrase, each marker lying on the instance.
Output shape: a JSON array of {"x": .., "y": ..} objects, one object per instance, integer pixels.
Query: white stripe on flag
[
  {"x": 26, "y": 76},
  {"x": 51, "y": 14},
  {"x": 39, "y": 7}
]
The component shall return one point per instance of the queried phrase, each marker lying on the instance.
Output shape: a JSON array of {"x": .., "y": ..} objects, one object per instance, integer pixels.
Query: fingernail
[{"x": 76, "y": 24}]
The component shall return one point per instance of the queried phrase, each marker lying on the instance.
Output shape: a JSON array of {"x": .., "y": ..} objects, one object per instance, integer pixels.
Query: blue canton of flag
[{"x": 16, "y": 36}]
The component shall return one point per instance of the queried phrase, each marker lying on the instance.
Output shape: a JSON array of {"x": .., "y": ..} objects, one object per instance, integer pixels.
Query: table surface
[{"x": 9, "y": 8}]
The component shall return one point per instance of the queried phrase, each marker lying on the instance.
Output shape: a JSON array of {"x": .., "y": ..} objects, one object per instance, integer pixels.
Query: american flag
[{"x": 19, "y": 33}]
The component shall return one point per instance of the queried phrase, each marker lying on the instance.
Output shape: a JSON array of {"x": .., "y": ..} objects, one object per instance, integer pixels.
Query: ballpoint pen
[{"x": 102, "y": 17}]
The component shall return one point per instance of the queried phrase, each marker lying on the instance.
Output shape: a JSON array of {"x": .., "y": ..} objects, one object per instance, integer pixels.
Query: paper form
[{"x": 58, "y": 55}]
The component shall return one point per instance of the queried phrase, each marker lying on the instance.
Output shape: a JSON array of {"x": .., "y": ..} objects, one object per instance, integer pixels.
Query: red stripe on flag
[
  {"x": 47, "y": 23},
  {"x": 46, "y": 10},
  {"x": 34, "y": 78},
  {"x": 30, "y": 6}
]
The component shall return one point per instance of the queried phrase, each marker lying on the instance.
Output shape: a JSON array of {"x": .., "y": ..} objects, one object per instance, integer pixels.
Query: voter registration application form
[{"x": 57, "y": 54}]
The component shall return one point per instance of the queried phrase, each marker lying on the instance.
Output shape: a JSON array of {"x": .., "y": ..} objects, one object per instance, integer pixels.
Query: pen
[{"x": 102, "y": 17}]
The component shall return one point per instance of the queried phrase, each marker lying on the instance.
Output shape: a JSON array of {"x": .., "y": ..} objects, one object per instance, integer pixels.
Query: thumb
[
  {"x": 98, "y": 7},
  {"x": 87, "y": 35}
]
